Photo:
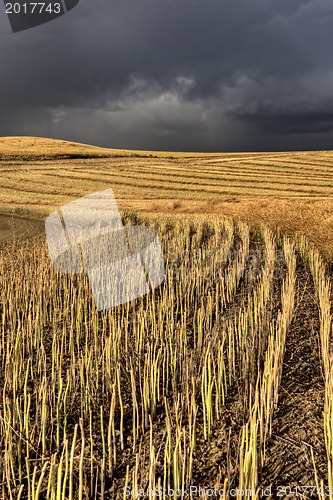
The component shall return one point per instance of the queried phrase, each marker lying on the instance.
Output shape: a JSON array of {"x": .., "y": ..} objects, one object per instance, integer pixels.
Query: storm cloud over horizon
[{"x": 192, "y": 75}]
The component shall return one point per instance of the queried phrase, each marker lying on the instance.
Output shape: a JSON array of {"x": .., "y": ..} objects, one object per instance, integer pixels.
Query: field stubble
[
  {"x": 196, "y": 383},
  {"x": 222, "y": 377}
]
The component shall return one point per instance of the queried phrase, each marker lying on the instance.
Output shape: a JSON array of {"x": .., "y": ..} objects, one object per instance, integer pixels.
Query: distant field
[{"x": 293, "y": 190}]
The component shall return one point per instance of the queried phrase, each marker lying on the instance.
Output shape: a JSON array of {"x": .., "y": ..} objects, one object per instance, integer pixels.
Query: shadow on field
[{"x": 13, "y": 226}]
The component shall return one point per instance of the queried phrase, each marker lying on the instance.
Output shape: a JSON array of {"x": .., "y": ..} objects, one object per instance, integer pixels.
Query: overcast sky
[{"x": 208, "y": 75}]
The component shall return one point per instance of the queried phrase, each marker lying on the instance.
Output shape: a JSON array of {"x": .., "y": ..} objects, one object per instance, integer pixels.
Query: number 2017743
[{"x": 33, "y": 8}]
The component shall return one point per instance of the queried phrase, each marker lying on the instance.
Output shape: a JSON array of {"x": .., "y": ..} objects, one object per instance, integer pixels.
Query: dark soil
[
  {"x": 13, "y": 227},
  {"x": 298, "y": 419}
]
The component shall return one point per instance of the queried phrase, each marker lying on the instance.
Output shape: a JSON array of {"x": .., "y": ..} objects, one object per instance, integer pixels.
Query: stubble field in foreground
[
  {"x": 293, "y": 191},
  {"x": 220, "y": 378}
]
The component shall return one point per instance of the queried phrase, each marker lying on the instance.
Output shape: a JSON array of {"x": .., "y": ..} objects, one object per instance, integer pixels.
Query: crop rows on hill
[{"x": 177, "y": 176}]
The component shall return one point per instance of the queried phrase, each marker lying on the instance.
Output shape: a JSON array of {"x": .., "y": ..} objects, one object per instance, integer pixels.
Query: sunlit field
[
  {"x": 219, "y": 378},
  {"x": 216, "y": 384},
  {"x": 293, "y": 191}
]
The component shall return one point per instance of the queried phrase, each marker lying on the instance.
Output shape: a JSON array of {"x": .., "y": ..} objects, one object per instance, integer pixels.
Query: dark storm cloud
[{"x": 174, "y": 74}]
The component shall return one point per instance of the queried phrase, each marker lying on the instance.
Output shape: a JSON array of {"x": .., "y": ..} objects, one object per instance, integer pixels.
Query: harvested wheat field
[
  {"x": 293, "y": 191},
  {"x": 219, "y": 379},
  {"x": 216, "y": 384}
]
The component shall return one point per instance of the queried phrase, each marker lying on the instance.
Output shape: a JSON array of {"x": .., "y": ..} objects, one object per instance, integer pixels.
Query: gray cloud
[{"x": 174, "y": 74}]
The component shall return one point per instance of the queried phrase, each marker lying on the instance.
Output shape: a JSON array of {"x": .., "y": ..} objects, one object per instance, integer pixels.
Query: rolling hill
[{"x": 290, "y": 190}]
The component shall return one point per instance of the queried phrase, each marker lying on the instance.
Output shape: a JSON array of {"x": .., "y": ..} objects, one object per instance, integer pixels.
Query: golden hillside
[{"x": 292, "y": 190}]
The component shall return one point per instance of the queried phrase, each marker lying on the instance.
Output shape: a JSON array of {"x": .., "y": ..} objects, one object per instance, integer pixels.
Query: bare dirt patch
[{"x": 19, "y": 227}]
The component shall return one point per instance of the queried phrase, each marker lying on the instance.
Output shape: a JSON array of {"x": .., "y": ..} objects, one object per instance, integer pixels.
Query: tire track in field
[{"x": 298, "y": 421}]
